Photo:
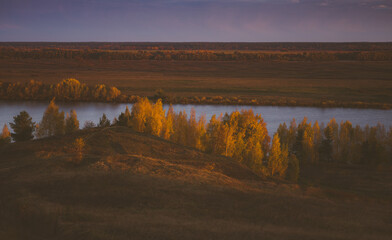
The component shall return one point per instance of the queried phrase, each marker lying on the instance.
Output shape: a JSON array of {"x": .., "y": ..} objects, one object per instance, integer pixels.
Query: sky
[{"x": 196, "y": 20}]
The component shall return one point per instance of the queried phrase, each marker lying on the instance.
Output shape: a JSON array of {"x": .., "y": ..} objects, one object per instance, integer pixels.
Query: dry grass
[
  {"x": 133, "y": 186},
  {"x": 369, "y": 82}
]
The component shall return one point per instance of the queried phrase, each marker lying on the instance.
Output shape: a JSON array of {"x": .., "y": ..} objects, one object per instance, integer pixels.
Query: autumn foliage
[
  {"x": 67, "y": 90},
  {"x": 240, "y": 135}
]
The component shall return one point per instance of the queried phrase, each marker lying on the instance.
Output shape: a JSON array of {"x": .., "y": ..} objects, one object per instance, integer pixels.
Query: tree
[
  {"x": 71, "y": 122},
  {"x": 5, "y": 136},
  {"x": 308, "y": 145},
  {"x": 214, "y": 138},
  {"x": 317, "y": 139},
  {"x": 325, "y": 149},
  {"x": 125, "y": 118},
  {"x": 70, "y": 89},
  {"x": 52, "y": 122},
  {"x": 104, "y": 121},
  {"x": 155, "y": 119},
  {"x": 78, "y": 148},
  {"x": 283, "y": 132},
  {"x": 89, "y": 124},
  {"x": 345, "y": 142},
  {"x": 293, "y": 168},
  {"x": 114, "y": 93},
  {"x": 278, "y": 158},
  {"x": 168, "y": 124},
  {"x": 180, "y": 128},
  {"x": 100, "y": 92},
  {"x": 23, "y": 127}
]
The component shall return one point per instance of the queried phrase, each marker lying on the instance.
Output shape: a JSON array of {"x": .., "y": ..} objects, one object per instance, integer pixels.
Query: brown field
[
  {"x": 133, "y": 186},
  {"x": 355, "y": 81}
]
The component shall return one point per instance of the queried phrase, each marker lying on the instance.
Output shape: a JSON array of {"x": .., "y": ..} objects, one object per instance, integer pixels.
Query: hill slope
[{"x": 133, "y": 186}]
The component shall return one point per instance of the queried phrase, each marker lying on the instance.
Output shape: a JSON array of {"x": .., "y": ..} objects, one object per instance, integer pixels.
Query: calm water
[{"x": 273, "y": 116}]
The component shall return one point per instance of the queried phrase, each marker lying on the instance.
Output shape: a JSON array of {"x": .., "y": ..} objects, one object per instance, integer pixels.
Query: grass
[
  {"x": 130, "y": 185},
  {"x": 343, "y": 81}
]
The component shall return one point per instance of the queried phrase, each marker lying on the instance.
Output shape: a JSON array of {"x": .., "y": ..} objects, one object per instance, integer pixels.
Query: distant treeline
[
  {"x": 71, "y": 90},
  {"x": 67, "y": 90},
  {"x": 242, "y": 136},
  {"x": 260, "y": 46},
  {"x": 192, "y": 55}
]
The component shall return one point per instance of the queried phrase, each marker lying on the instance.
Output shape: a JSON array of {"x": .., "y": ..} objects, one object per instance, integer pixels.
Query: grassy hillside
[{"x": 133, "y": 186}]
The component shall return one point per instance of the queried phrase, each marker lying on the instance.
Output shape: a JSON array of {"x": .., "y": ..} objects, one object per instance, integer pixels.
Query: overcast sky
[{"x": 196, "y": 20}]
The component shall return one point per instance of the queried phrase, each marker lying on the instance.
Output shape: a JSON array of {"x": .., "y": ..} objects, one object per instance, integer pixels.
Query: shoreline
[{"x": 210, "y": 102}]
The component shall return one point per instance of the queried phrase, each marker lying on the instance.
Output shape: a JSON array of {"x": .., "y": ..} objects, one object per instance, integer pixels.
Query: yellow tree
[
  {"x": 255, "y": 138},
  {"x": 308, "y": 146},
  {"x": 191, "y": 136},
  {"x": 113, "y": 94},
  {"x": 155, "y": 118},
  {"x": 214, "y": 139},
  {"x": 229, "y": 139},
  {"x": 180, "y": 128},
  {"x": 70, "y": 89},
  {"x": 52, "y": 122},
  {"x": 5, "y": 136},
  {"x": 140, "y": 112},
  {"x": 278, "y": 158},
  {"x": 317, "y": 139},
  {"x": 100, "y": 92},
  {"x": 168, "y": 123},
  {"x": 71, "y": 122},
  {"x": 201, "y": 133}
]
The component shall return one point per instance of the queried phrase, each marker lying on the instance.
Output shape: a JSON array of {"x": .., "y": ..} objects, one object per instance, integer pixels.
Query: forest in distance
[
  {"x": 241, "y": 135},
  {"x": 72, "y": 90},
  {"x": 260, "y": 46},
  {"x": 193, "y": 55}
]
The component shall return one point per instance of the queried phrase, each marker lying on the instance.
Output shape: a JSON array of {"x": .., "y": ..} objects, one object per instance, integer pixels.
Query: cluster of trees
[
  {"x": 242, "y": 136},
  {"x": 194, "y": 55},
  {"x": 261, "y": 46},
  {"x": 54, "y": 122},
  {"x": 340, "y": 143},
  {"x": 262, "y": 101},
  {"x": 73, "y": 90},
  {"x": 67, "y": 90}
]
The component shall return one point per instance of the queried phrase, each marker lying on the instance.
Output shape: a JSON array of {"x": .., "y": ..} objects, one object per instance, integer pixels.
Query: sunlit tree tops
[{"x": 67, "y": 90}]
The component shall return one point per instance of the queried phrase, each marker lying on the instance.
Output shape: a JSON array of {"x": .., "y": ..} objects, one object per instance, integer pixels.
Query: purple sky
[{"x": 196, "y": 20}]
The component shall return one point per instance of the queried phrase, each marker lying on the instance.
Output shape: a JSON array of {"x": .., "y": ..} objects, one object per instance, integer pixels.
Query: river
[{"x": 273, "y": 115}]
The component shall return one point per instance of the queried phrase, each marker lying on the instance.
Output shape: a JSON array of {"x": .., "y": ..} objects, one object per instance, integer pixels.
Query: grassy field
[
  {"x": 344, "y": 81},
  {"x": 133, "y": 186}
]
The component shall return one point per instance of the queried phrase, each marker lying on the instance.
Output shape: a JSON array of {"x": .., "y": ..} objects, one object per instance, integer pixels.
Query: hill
[{"x": 133, "y": 186}]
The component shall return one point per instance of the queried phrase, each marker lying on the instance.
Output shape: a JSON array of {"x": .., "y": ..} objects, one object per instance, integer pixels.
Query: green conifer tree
[
  {"x": 23, "y": 127},
  {"x": 104, "y": 121}
]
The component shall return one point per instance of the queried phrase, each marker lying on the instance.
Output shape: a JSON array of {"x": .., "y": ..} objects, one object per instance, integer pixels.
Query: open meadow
[{"x": 340, "y": 81}]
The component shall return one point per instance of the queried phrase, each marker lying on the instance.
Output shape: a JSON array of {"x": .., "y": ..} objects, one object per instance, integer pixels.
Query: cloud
[{"x": 381, "y": 6}]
